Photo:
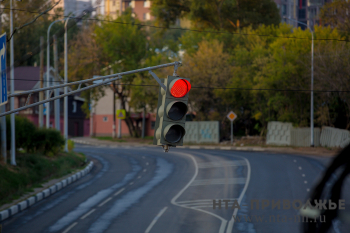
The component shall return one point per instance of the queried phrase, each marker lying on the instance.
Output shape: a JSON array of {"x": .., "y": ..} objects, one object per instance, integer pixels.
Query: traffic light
[{"x": 171, "y": 112}]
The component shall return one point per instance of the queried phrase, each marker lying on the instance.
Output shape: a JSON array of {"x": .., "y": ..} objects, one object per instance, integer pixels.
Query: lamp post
[
  {"x": 312, "y": 82},
  {"x": 47, "y": 73}
]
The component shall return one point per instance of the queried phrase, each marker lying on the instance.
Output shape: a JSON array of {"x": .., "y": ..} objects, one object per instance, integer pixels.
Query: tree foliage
[{"x": 217, "y": 14}]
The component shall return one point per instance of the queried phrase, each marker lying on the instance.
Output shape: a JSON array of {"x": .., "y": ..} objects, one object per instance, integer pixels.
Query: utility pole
[
  {"x": 143, "y": 121},
  {"x": 57, "y": 90},
  {"x": 12, "y": 104},
  {"x": 41, "y": 94},
  {"x": 114, "y": 111},
  {"x": 65, "y": 104},
  {"x": 3, "y": 120}
]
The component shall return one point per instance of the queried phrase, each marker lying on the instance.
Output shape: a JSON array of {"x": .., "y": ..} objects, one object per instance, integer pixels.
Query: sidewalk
[{"x": 315, "y": 151}]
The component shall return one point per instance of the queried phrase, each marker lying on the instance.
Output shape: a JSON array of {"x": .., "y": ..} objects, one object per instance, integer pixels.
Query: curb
[
  {"x": 183, "y": 147},
  {"x": 44, "y": 194}
]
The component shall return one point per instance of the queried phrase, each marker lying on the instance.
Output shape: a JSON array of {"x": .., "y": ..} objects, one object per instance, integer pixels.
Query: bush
[
  {"x": 70, "y": 145},
  {"x": 33, "y": 139}
]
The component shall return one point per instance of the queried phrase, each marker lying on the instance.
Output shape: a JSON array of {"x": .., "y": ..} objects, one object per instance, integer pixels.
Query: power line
[
  {"x": 236, "y": 88},
  {"x": 26, "y": 24},
  {"x": 186, "y": 29},
  {"x": 215, "y": 88}
]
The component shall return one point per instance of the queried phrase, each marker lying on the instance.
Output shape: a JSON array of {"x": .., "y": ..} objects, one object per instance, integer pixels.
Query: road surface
[{"x": 143, "y": 189}]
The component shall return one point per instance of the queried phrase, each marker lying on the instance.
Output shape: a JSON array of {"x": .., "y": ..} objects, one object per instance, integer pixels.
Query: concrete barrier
[
  {"x": 278, "y": 133},
  {"x": 202, "y": 131},
  {"x": 302, "y": 137}
]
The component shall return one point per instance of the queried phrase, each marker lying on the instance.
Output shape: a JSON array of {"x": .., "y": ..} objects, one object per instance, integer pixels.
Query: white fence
[
  {"x": 279, "y": 133},
  {"x": 202, "y": 132}
]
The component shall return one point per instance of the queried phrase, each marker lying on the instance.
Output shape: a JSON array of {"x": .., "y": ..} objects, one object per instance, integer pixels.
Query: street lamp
[
  {"x": 65, "y": 105},
  {"x": 312, "y": 81},
  {"x": 47, "y": 73}
]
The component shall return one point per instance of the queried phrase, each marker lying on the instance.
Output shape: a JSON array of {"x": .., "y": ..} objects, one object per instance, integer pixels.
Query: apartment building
[
  {"x": 73, "y": 6},
  {"x": 305, "y": 11},
  {"x": 140, "y": 8}
]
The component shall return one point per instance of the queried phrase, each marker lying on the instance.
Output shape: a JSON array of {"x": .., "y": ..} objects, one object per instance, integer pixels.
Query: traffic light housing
[{"x": 171, "y": 112}]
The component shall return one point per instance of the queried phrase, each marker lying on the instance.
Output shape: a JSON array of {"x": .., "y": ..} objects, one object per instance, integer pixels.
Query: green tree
[{"x": 216, "y": 14}]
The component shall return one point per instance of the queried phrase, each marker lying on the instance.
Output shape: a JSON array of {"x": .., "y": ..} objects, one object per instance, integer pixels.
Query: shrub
[
  {"x": 70, "y": 145},
  {"x": 32, "y": 139}
]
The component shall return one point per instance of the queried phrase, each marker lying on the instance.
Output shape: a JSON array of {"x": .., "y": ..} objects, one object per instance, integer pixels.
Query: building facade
[
  {"x": 28, "y": 78},
  {"x": 75, "y": 7},
  {"x": 140, "y": 8},
  {"x": 102, "y": 115},
  {"x": 305, "y": 11}
]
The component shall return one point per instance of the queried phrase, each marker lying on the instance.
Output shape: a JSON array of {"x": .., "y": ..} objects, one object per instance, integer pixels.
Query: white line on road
[
  {"x": 155, "y": 219},
  {"x": 295, "y": 161},
  {"x": 119, "y": 192},
  {"x": 131, "y": 183},
  {"x": 70, "y": 227},
  {"x": 144, "y": 170},
  {"x": 139, "y": 177},
  {"x": 303, "y": 175},
  {"x": 299, "y": 168},
  {"x": 307, "y": 190},
  {"x": 143, "y": 157},
  {"x": 231, "y": 222},
  {"x": 173, "y": 201},
  {"x": 305, "y": 182},
  {"x": 90, "y": 212},
  {"x": 147, "y": 164},
  {"x": 108, "y": 199}
]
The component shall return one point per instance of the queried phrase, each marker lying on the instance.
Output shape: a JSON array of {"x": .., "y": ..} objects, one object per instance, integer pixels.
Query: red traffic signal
[{"x": 179, "y": 87}]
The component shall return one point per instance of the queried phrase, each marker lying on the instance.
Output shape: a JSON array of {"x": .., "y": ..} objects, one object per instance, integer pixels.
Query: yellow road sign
[
  {"x": 231, "y": 116},
  {"x": 121, "y": 114}
]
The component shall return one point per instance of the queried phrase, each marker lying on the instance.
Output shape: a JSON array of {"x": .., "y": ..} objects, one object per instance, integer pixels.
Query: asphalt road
[{"x": 146, "y": 190}]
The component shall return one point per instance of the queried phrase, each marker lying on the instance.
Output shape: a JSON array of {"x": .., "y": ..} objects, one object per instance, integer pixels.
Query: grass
[{"x": 32, "y": 170}]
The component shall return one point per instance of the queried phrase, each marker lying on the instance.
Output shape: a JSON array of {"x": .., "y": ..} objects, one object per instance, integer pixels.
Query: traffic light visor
[
  {"x": 176, "y": 110},
  {"x": 174, "y": 133},
  {"x": 179, "y": 87}
]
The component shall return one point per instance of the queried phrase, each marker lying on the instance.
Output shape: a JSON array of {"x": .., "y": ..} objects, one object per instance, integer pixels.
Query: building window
[
  {"x": 22, "y": 101},
  {"x": 148, "y": 16},
  {"x": 113, "y": 3},
  {"x": 144, "y": 16},
  {"x": 74, "y": 106},
  {"x": 105, "y": 119},
  {"x": 146, "y": 4},
  {"x": 153, "y": 124},
  {"x": 132, "y": 4},
  {"x": 284, "y": 9}
]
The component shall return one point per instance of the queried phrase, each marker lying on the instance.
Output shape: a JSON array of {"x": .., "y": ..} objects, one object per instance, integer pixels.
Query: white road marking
[
  {"x": 107, "y": 200},
  {"x": 295, "y": 161},
  {"x": 90, "y": 212},
  {"x": 144, "y": 170},
  {"x": 143, "y": 157},
  {"x": 299, "y": 168},
  {"x": 308, "y": 190},
  {"x": 219, "y": 181},
  {"x": 155, "y": 219},
  {"x": 222, "y": 164},
  {"x": 173, "y": 201},
  {"x": 131, "y": 183},
  {"x": 305, "y": 182},
  {"x": 303, "y": 175},
  {"x": 205, "y": 200},
  {"x": 232, "y": 221},
  {"x": 119, "y": 192},
  {"x": 139, "y": 177},
  {"x": 147, "y": 164},
  {"x": 70, "y": 227}
]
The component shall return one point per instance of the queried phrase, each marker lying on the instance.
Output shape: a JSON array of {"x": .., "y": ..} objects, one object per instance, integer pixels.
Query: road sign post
[{"x": 231, "y": 116}]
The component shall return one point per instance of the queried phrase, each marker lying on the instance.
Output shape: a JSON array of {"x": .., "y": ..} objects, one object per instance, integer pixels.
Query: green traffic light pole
[{"x": 312, "y": 82}]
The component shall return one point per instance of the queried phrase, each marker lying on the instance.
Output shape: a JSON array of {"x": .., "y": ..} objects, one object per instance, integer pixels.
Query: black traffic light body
[{"x": 171, "y": 112}]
